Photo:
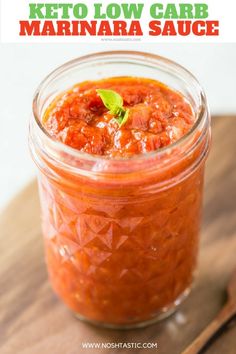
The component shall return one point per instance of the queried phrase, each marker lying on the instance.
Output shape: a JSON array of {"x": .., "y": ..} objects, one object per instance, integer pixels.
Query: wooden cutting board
[{"x": 33, "y": 321}]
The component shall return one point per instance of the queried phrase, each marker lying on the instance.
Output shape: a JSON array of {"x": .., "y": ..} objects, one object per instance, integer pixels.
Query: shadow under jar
[{"x": 121, "y": 235}]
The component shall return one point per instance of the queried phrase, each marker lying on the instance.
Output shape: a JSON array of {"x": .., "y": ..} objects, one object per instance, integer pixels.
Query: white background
[{"x": 23, "y": 66}]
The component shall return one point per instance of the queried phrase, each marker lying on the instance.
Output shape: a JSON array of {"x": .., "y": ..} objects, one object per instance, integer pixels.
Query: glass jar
[{"x": 121, "y": 236}]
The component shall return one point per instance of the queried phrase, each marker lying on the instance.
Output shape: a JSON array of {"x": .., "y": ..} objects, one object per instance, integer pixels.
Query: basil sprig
[{"x": 114, "y": 103}]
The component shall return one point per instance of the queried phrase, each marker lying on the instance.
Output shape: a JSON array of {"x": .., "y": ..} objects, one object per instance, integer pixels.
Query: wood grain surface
[{"x": 33, "y": 320}]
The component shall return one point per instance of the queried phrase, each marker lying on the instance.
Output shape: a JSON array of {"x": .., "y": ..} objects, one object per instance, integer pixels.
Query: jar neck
[{"x": 168, "y": 165}]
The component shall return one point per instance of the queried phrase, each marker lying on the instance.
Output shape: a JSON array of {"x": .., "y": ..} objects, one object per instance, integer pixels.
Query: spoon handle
[{"x": 227, "y": 312}]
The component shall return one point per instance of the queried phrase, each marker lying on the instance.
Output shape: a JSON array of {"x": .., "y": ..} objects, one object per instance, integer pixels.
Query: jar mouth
[{"x": 200, "y": 115}]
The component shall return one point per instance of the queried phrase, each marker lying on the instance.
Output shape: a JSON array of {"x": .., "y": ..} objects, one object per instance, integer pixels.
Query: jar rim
[{"x": 200, "y": 115}]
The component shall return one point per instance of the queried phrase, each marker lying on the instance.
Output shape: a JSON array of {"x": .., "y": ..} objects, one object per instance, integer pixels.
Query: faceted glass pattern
[{"x": 121, "y": 260}]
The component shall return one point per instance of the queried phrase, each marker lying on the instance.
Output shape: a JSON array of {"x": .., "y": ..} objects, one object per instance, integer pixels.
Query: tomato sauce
[
  {"x": 121, "y": 250},
  {"x": 158, "y": 116}
]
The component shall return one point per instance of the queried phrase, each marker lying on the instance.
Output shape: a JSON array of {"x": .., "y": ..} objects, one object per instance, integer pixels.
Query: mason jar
[{"x": 121, "y": 235}]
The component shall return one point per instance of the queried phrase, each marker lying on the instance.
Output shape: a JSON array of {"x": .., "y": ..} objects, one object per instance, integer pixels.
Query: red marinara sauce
[
  {"x": 119, "y": 250},
  {"x": 158, "y": 116}
]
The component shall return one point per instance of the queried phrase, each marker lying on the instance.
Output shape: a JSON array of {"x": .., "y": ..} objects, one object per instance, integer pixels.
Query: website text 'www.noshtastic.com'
[{"x": 113, "y": 345}]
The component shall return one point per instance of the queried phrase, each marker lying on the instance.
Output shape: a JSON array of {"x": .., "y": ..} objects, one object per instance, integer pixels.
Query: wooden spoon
[{"x": 221, "y": 320}]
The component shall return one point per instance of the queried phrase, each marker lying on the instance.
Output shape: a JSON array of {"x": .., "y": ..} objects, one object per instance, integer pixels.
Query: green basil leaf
[
  {"x": 125, "y": 117},
  {"x": 114, "y": 102},
  {"x": 111, "y": 100}
]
